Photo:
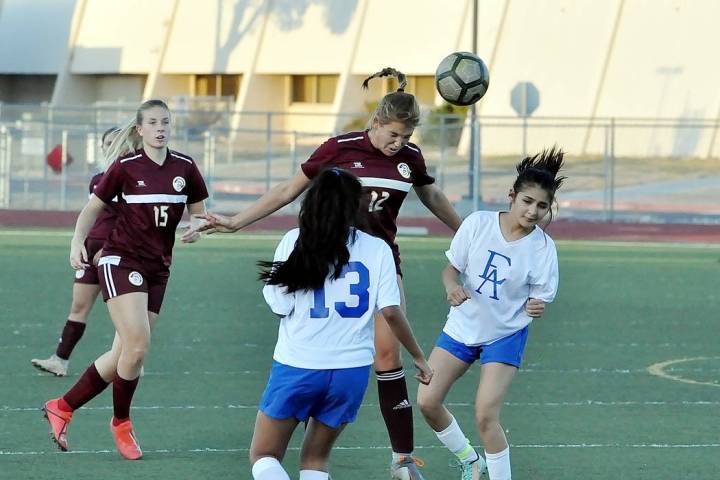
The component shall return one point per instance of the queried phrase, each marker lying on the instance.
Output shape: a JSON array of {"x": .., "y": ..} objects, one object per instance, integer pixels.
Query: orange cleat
[
  {"x": 125, "y": 440},
  {"x": 59, "y": 421}
]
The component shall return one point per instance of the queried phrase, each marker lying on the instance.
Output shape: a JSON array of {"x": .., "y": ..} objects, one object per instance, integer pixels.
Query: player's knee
[
  {"x": 485, "y": 420},
  {"x": 135, "y": 349},
  {"x": 429, "y": 405},
  {"x": 80, "y": 308},
  {"x": 314, "y": 462},
  {"x": 387, "y": 359}
]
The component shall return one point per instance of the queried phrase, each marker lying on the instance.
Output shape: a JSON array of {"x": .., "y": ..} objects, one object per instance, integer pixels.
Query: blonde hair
[
  {"x": 128, "y": 139},
  {"x": 396, "y": 106}
]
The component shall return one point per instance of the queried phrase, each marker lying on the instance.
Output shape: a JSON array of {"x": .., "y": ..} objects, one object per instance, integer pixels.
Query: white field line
[
  {"x": 582, "y": 403},
  {"x": 560, "y": 371},
  {"x": 359, "y": 447},
  {"x": 439, "y": 240}
]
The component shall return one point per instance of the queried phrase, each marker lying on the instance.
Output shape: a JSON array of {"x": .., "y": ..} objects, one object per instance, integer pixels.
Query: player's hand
[
  {"x": 96, "y": 258},
  {"x": 78, "y": 256},
  {"x": 424, "y": 371},
  {"x": 193, "y": 231},
  {"x": 535, "y": 307},
  {"x": 457, "y": 296},
  {"x": 216, "y": 223},
  {"x": 190, "y": 236}
]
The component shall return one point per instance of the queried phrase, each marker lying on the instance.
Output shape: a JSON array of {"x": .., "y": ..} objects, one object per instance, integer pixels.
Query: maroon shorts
[
  {"x": 118, "y": 277},
  {"x": 90, "y": 275}
]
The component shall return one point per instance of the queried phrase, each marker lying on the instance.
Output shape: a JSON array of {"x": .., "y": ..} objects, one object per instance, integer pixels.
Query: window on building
[
  {"x": 217, "y": 86},
  {"x": 313, "y": 88}
]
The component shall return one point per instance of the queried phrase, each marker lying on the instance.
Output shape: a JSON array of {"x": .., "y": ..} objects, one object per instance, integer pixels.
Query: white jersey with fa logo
[
  {"x": 500, "y": 277},
  {"x": 332, "y": 327}
]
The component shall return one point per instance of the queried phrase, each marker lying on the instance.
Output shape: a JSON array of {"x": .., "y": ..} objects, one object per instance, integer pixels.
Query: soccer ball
[{"x": 462, "y": 78}]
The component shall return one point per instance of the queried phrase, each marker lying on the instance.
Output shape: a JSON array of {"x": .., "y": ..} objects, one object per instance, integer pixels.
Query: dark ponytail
[
  {"x": 328, "y": 215},
  {"x": 387, "y": 72},
  {"x": 541, "y": 170}
]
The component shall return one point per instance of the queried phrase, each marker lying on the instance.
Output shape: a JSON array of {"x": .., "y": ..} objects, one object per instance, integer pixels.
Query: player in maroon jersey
[
  {"x": 86, "y": 287},
  {"x": 388, "y": 167},
  {"x": 155, "y": 184}
]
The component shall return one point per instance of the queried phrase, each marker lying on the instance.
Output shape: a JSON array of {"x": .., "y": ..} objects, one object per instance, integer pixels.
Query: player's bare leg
[
  {"x": 269, "y": 444},
  {"x": 495, "y": 380},
  {"x": 133, "y": 324},
  {"x": 447, "y": 370},
  {"x": 317, "y": 444}
]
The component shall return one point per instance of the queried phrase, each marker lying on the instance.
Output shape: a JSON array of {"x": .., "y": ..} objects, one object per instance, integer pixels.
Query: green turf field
[{"x": 583, "y": 407}]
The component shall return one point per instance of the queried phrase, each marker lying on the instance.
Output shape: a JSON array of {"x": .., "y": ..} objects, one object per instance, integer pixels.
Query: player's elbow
[{"x": 393, "y": 315}]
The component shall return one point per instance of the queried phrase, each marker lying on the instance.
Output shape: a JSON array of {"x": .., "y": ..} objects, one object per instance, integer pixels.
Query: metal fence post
[
  {"x": 477, "y": 177},
  {"x": 228, "y": 144},
  {"x": 612, "y": 169},
  {"x": 606, "y": 168},
  {"x": 269, "y": 152},
  {"x": 4, "y": 169},
  {"x": 63, "y": 170},
  {"x": 293, "y": 153},
  {"x": 443, "y": 144},
  {"x": 209, "y": 162},
  {"x": 48, "y": 135}
]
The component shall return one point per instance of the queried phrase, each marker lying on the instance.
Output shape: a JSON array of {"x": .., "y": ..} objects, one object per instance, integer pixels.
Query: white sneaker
[{"x": 55, "y": 365}]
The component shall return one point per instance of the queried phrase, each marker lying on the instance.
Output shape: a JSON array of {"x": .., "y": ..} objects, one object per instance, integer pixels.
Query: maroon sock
[
  {"x": 123, "y": 391},
  {"x": 396, "y": 409},
  {"x": 90, "y": 385},
  {"x": 71, "y": 335}
]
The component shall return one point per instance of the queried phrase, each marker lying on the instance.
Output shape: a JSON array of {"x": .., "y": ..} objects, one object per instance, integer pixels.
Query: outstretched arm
[
  {"x": 272, "y": 201},
  {"x": 436, "y": 201},
  {"x": 403, "y": 332}
]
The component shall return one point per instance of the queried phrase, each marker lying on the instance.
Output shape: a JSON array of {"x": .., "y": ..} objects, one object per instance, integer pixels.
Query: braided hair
[{"x": 397, "y": 106}]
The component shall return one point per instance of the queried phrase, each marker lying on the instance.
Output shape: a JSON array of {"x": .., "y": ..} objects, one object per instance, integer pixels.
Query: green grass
[{"x": 584, "y": 405}]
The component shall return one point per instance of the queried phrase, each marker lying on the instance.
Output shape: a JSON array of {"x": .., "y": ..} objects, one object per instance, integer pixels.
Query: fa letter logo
[{"x": 491, "y": 274}]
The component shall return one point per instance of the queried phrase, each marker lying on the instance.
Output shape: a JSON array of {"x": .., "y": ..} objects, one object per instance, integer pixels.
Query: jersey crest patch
[
  {"x": 404, "y": 170},
  {"x": 135, "y": 278},
  {"x": 178, "y": 183}
]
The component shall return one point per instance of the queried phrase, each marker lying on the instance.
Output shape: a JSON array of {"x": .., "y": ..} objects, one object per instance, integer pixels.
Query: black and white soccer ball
[{"x": 462, "y": 78}]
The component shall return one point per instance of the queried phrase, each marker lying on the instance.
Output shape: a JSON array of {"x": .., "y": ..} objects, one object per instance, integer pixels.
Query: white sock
[
  {"x": 498, "y": 465},
  {"x": 397, "y": 456},
  {"x": 456, "y": 441},
  {"x": 268, "y": 468},
  {"x": 314, "y": 475}
]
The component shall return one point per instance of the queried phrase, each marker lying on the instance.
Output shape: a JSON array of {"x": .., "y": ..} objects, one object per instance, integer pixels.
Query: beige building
[{"x": 589, "y": 59}]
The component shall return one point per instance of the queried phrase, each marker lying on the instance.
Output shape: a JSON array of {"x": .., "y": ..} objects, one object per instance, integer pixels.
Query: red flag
[{"x": 54, "y": 159}]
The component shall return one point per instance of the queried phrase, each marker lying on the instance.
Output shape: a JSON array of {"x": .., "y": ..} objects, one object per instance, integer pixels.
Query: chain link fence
[{"x": 617, "y": 169}]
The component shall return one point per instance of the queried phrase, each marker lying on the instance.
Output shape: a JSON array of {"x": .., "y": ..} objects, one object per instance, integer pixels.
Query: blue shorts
[
  {"x": 332, "y": 397},
  {"x": 506, "y": 350}
]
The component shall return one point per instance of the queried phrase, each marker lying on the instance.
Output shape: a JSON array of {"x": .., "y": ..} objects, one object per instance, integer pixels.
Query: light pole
[{"x": 474, "y": 129}]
